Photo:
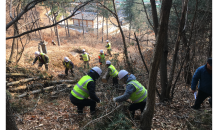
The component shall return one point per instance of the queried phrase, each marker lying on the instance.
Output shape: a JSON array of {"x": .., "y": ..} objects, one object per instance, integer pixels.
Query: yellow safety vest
[
  {"x": 67, "y": 64},
  {"x": 113, "y": 71},
  {"x": 43, "y": 57},
  {"x": 109, "y": 45},
  {"x": 140, "y": 94},
  {"x": 80, "y": 90},
  {"x": 102, "y": 57},
  {"x": 85, "y": 57}
]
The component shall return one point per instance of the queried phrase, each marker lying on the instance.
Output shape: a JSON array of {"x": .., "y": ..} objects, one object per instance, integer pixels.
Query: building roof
[{"x": 86, "y": 16}]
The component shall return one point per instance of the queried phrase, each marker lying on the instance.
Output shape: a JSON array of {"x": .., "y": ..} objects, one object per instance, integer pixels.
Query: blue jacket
[
  {"x": 204, "y": 78},
  {"x": 129, "y": 90}
]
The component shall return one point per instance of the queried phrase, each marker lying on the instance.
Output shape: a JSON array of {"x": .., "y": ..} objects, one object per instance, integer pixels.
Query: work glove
[{"x": 114, "y": 99}]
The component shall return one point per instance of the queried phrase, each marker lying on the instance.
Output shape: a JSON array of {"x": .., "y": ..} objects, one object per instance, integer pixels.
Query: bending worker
[
  {"x": 86, "y": 59},
  {"x": 43, "y": 59},
  {"x": 101, "y": 57},
  {"x": 108, "y": 46},
  {"x": 68, "y": 65},
  {"x": 204, "y": 75},
  {"x": 135, "y": 91},
  {"x": 85, "y": 88},
  {"x": 112, "y": 72}
]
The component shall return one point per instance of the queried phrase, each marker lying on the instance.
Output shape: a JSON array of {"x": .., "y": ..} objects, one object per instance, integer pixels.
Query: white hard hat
[
  {"x": 108, "y": 62},
  {"x": 97, "y": 70},
  {"x": 52, "y": 40},
  {"x": 84, "y": 50},
  {"x": 122, "y": 73},
  {"x": 107, "y": 40},
  {"x": 37, "y": 53},
  {"x": 66, "y": 59},
  {"x": 101, "y": 51}
]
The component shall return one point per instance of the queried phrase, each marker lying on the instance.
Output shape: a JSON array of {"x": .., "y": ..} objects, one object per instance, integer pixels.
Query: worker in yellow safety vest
[
  {"x": 135, "y": 91},
  {"x": 86, "y": 88},
  {"x": 86, "y": 59},
  {"x": 68, "y": 65},
  {"x": 101, "y": 57},
  {"x": 112, "y": 72},
  {"x": 108, "y": 46},
  {"x": 43, "y": 59}
]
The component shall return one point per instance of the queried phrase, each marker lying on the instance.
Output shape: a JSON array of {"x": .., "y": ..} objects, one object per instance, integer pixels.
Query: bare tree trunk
[
  {"x": 124, "y": 41},
  {"x": 181, "y": 27},
  {"x": 97, "y": 21},
  {"x": 107, "y": 27},
  {"x": 58, "y": 39},
  {"x": 154, "y": 15},
  {"x": 14, "y": 42},
  {"x": 67, "y": 26},
  {"x": 163, "y": 70},
  {"x": 37, "y": 25},
  {"x": 10, "y": 121},
  {"x": 102, "y": 30},
  {"x": 147, "y": 115},
  {"x": 49, "y": 20},
  {"x": 82, "y": 22}
]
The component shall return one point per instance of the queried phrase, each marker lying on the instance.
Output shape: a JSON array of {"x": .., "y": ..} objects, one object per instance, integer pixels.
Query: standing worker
[
  {"x": 86, "y": 58},
  {"x": 43, "y": 59},
  {"x": 101, "y": 57},
  {"x": 53, "y": 42},
  {"x": 108, "y": 46},
  {"x": 69, "y": 65},
  {"x": 85, "y": 88},
  {"x": 112, "y": 72},
  {"x": 134, "y": 91},
  {"x": 204, "y": 75}
]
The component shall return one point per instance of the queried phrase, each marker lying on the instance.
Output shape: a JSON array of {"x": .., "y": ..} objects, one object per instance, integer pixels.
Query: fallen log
[
  {"x": 62, "y": 81},
  {"x": 15, "y": 75},
  {"x": 18, "y": 88},
  {"x": 37, "y": 91},
  {"x": 22, "y": 81}
]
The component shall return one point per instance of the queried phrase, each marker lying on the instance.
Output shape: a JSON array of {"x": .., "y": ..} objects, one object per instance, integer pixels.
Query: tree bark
[
  {"x": 163, "y": 70},
  {"x": 107, "y": 28},
  {"x": 14, "y": 42},
  {"x": 56, "y": 27},
  {"x": 97, "y": 20},
  {"x": 124, "y": 41},
  {"x": 10, "y": 121},
  {"x": 102, "y": 30},
  {"x": 154, "y": 15},
  {"x": 147, "y": 115},
  {"x": 180, "y": 30}
]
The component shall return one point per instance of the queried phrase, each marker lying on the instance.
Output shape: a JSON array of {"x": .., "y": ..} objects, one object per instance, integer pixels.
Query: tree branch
[
  {"x": 27, "y": 8},
  {"x": 52, "y": 24}
]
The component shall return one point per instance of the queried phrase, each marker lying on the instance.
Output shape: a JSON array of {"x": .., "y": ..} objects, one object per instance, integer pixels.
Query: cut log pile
[{"x": 29, "y": 86}]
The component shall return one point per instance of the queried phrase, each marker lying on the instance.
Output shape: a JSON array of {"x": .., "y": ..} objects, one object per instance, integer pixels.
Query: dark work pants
[
  {"x": 66, "y": 71},
  {"x": 115, "y": 81},
  {"x": 135, "y": 106},
  {"x": 201, "y": 97},
  {"x": 82, "y": 103}
]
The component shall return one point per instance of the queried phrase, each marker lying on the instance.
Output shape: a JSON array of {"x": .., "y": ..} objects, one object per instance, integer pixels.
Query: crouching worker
[
  {"x": 43, "y": 59},
  {"x": 86, "y": 88},
  {"x": 112, "y": 72},
  {"x": 68, "y": 65},
  {"x": 135, "y": 91}
]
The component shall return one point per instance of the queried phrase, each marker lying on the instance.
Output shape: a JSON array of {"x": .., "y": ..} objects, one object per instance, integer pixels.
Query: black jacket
[{"x": 91, "y": 86}]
